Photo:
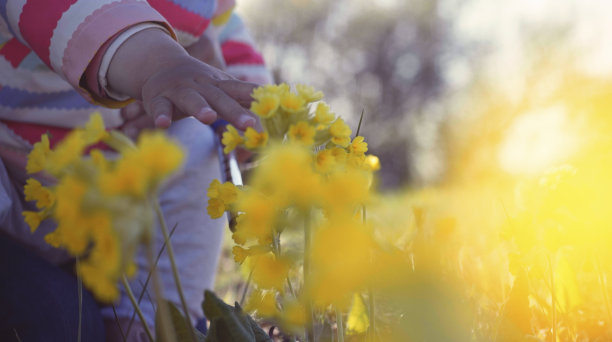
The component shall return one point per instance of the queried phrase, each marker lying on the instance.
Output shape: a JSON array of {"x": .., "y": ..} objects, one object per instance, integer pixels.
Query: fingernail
[
  {"x": 206, "y": 115},
  {"x": 246, "y": 121},
  {"x": 162, "y": 121}
]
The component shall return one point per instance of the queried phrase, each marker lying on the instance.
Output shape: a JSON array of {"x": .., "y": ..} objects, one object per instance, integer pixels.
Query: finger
[
  {"x": 228, "y": 108},
  {"x": 160, "y": 108},
  {"x": 134, "y": 127},
  {"x": 132, "y": 110},
  {"x": 238, "y": 90},
  {"x": 191, "y": 102}
]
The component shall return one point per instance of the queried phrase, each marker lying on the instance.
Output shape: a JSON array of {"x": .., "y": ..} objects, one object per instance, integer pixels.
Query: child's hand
[
  {"x": 171, "y": 84},
  {"x": 134, "y": 116}
]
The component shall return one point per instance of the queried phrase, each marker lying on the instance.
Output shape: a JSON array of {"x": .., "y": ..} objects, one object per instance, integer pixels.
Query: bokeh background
[{"x": 434, "y": 75}]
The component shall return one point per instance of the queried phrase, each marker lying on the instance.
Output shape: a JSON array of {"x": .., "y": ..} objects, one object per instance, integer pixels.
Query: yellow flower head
[
  {"x": 266, "y": 105},
  {"x": 270, "y": 272},
  {"x": 34, "y": 191},
  {"x": 240, "y": 254},
  {"x": 255, "y": 139},
  {"x": 69, "y": 194},
  {"x": 129, "y": 177},
  {"x": 372, "y": 162},
  {"x": 339, "y": 269},
  {"x": 340, "y": 132},
  {"x": 292, "y": 103},
  {"x": 216, "y": 208},
  {"x": 358, "y": 146},
  {"x": 33, "y": 219},
  {"x": 37, "y": 159},
  {"x": 264, "y": 302},
  {"x": 94, "y": 129},
  {"x": 67, "y": 152},
  {"x": 325, "y": 161},
  {"x": 226, "y": 192},
  {"x": 159, "y": 155},
  {"x": 308, "y": 93},
  {"x": 302, "y": 133},
  {"x": 323, "y": 115},
  {"x": 231, "y": 139},
  {"x": 348, "y": 188},
  {"x": 259, "y": 218},
  {"x": 270, "y": 89},
  {"x": 294, "y": 316}
]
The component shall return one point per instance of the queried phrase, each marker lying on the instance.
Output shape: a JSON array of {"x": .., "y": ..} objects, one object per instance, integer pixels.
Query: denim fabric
[{"x": 39, "y": 301}]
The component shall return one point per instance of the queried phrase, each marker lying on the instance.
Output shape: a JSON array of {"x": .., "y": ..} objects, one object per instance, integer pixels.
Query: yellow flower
[
  {"x": 34, "y": 191},
  {"x": 372, "y": 162},
  {"x": 323, "y": 116},
  {"x": 264, "y": 302},
  {"x": 325, "y": 161},
  {"x": 258, "y": 219},
  {"x": 53, "y": 239},
  {"x": 270, "y": 272},
  {"x": 270, "y": 89},
  {"x": 104, "y": 288},
  {"x": 216, "y": 208},
  {"x": 339, "y": 269},
  {"x": 255, "y": 139},
  {"x": 308, "y": 93},
  {"x": 358, "y": 146},
  {"x": 292, "y": 103},
  {"x": 69, "y": 193},
  {"x": 340, "y": 132},
  {"x": 159, "y": 155},
  {"x": 345, "y": 189},
  {"x": 99, "y": 160},
  {"x": 266, "y": 105},
  {"x": 339, "y": 154},
  {"x": 74, "y": 235},
  {"x": 33, "y": 219},
  {"x": 129, "y": 177},
  {"x": 302, "y": 133},
  {"x": 37, "y": 159},
  {"x": 294, "y": 316},
  {"x": 226, "y": 192},
  {"x": 231, "y": 139},
  {"x": 67, "y": 152},
  {"x": 94, "y": 129},
  {"x": 240, "y": 254}
]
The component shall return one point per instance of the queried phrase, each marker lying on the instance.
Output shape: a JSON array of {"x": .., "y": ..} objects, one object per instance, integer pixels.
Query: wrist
[{"x": 141, "y": 56}]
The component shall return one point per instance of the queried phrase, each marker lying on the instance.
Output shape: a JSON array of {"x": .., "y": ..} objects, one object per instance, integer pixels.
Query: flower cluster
[
  {"x": 101, "y": 202},
  {"x": 313, "y": 179}
]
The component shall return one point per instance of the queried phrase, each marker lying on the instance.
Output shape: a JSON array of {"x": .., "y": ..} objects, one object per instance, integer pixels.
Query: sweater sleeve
[
  {"x": 67, "y": 34},
  {"x": 239, "y": 53}
]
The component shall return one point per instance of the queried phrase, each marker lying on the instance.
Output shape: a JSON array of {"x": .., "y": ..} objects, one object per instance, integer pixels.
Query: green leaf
[
  {"x": 358, "y": 321},
  {"x": 179, "y": 323},
  {"x": 229, "y": 323}
]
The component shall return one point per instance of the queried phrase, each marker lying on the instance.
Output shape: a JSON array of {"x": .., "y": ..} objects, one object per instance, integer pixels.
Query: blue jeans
[{"x": 39, "y": 301}]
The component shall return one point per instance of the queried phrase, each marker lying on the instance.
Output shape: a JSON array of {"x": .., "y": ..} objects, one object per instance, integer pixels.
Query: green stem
[
  {"x": 130, "y": 294},
  {"x": 602, "y": 284},
  {"x": 339, "y": 326},
  {"x": 175, "y": 274},
  {"x": 307, "y": 247},
  {"x": 554, "y": 307},
  {"x": 372, "y": 330},
  {"x": 165, "y": 323},
  {"x": 246, "y": 286},
  {"x": 80, "y": 297}
]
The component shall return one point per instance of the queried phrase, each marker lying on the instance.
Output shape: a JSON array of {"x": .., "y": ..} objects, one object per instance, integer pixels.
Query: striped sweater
[{"x": 46, "y": 46}]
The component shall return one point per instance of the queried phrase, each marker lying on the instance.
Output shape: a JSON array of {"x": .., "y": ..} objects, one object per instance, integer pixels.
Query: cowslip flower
[
  {"x": 323, "y": 116},
  {"x": 255, "y": 139},
  {"x": 94, "y": 129},
  {"x": 308, "y": 93},
  {"x": 37, "y": 159},
  {"x": 34, "y": 191},
  {"x": 301, "y": 133},
  {"x": 33, "y": 219},
  {"x": 159, "y": 155},
  {"x": 262, "y": 302},
  {"x": 231, "y": 139},
  {"x": 358, "y": 146},
  {"x": 292, "y": 103},
  {"x": 270, "y": 271},
  {"x": 340, "y": 132},
  {"x": 266, "y": 105}
]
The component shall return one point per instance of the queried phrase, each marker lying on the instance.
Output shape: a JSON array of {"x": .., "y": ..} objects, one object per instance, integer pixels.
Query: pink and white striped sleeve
[
  {"x": 66, "y": 34},
  {"x": 241, "y": 57}
]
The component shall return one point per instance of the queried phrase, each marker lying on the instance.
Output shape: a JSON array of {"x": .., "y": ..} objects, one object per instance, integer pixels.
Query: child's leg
[{"x": 197, "y": 238}]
